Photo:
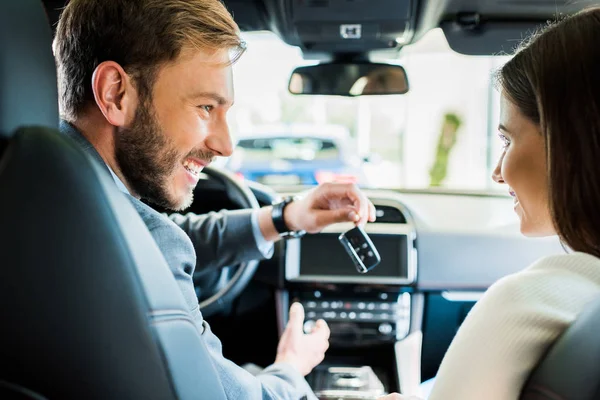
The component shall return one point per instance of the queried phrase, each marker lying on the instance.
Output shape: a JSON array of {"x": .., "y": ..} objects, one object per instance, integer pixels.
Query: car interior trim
[{"x": 462, "y": 296}]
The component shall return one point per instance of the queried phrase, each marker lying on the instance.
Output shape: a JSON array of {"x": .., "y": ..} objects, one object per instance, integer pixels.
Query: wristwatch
[{"x": 279, "y": 221}]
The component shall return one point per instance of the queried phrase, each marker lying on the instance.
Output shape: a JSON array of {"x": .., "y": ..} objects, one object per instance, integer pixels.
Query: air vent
[{"x": 389, "y": 215}]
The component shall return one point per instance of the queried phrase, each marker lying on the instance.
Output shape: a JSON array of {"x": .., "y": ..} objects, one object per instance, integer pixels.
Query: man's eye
[{"x": 208, "y": 109}]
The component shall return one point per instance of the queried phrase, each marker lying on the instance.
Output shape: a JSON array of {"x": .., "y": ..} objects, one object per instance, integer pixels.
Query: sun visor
[
  {"x": 489, "y": 27},
  {"x": 490, "y": 38}
]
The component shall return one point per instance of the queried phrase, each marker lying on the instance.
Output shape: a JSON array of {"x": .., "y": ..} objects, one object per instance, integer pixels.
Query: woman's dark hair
[{"x": 554, "y": 80}]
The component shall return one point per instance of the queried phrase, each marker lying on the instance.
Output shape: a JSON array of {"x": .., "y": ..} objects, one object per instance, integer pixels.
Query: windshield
[
  {"x": 441, "y": 135},
  {"x": 288, "y": 148}
]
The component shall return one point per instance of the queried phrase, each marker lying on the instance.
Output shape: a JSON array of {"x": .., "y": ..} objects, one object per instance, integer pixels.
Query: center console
[
  {"x": 372, "y": 316},
  {"x": 346, "y": 383},
  {"x": 358, "y": 321}
]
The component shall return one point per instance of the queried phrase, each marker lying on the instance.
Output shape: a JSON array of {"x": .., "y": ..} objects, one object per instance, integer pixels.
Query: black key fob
[{"x": 361, "y": 250}]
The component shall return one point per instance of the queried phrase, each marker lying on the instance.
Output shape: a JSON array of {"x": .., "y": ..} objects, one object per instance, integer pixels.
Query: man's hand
[
  {"x": 327, "y": 204},
  {"x": 303, "y": 351},
  {"x": 397, "y": 396}
]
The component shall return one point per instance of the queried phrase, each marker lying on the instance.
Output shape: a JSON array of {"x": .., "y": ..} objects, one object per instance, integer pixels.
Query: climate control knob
[{"x": 309, "y": 325}]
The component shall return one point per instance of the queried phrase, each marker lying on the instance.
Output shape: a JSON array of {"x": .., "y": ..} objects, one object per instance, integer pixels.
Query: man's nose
[
  {"x": 497, "y": 174},
  {"x": 219, "y": 140}
]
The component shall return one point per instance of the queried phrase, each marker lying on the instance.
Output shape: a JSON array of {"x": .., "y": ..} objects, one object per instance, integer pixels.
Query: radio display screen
[{"x": 323, "y": 255}]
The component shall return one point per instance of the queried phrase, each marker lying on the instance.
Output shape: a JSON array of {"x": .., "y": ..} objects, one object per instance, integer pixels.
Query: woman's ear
[{"x": 114, "y": 94}]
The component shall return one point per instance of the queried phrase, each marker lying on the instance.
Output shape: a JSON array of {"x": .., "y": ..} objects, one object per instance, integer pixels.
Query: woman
[{"x": 550, "y": 126}]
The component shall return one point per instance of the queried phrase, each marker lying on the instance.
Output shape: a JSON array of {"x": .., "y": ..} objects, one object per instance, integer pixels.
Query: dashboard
[
  {"x": 439, "y": 252},
  {"x": 453, "y": 246},
  {"x": 358, "y": 319}
]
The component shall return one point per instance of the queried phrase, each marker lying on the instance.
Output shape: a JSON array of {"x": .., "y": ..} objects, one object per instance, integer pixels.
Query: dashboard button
[
  {"x": 329, "y": 314},
  {"x": 325, "y": 304},
  {"x": 385, "y": 328},
  {"x": 311, "y": 304},
  {"x": 361, "y": 306},
  {"x": 343, "y": 314},
  {"x": 365, "y": 315},
  {"x": 352, "y": 315},
  {"x": 311, "y": 314},
  {"x": 371, "y": 306}
]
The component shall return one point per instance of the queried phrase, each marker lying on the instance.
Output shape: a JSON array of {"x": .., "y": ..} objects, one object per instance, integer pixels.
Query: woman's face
[{"x": 522, "y": 166}]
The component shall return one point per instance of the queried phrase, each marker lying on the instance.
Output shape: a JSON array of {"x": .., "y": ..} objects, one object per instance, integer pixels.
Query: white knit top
[{"x": 510, "y": 328}]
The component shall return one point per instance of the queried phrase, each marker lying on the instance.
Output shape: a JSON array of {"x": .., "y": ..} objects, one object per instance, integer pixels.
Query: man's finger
[
  {"x": 372, "y": 212},
  {"x": 322, "y": 329},
  {"x": 364, "y": 206},
  {"x": 360, "y": 201},
  {"x": 364, "y": 216},
  {"x": 340, "y": 192},
  {"x": 324, "y": 218},
  {"x": 392, "y": 396},
  {"x": 296, "y": 321}
]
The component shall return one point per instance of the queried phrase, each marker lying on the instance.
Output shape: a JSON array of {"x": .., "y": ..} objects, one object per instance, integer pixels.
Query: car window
[
  {"x": 442, "y": 134},
  {"x": 301, "y": 149}
]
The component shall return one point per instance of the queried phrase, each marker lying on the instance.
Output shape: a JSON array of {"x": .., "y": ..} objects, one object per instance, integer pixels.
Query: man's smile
[{"x": 194, "y": 166}]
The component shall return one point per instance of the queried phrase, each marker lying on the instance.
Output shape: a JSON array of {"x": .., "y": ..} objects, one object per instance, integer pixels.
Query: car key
[{"x": 360, "y": 248}]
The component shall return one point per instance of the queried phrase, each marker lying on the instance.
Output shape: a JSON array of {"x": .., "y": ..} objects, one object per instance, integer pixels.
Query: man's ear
[{"x": 114, "y": 94}]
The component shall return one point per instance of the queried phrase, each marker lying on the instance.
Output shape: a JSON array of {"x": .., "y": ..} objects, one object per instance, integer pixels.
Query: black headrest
[
  {"x": 28, "y": 91},
  {"x": 88, "y": 306},
  {"x": 571, "y": 368}
]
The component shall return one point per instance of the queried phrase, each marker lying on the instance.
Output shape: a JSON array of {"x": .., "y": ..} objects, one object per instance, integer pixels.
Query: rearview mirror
[{"x": 349, "y": 79}]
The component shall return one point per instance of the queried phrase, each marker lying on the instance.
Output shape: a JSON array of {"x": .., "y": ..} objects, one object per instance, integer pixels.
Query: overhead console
[{"x": 345, "y": 26}]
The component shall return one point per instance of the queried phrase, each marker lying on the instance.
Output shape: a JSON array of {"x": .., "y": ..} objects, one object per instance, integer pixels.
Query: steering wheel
[{"x": 231, "y": 280}]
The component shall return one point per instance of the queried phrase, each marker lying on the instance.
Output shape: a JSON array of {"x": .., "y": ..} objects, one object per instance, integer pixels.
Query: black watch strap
[
  {"x": 277, "y": 215},
  {"x": 279, "y": 220}
]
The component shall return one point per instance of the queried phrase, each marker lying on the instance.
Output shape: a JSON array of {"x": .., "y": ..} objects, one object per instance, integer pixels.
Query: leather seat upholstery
[
  {"x": 88, "y": 306},
  {"x": 571, "y": 368}
]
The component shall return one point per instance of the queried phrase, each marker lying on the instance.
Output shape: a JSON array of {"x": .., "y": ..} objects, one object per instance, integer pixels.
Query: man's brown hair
[{"x": 139, "y": 35}]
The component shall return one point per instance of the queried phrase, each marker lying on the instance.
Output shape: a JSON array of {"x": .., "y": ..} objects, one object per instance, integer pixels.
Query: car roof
[
  {"x": 475, "y": 27},
  {"x": 471, "y": 26}
]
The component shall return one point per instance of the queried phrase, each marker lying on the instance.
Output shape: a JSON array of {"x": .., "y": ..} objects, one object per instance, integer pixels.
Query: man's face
[{"x": 179, "y": 130}]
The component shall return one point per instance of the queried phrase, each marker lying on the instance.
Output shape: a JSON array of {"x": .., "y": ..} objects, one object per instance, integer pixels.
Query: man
[{"x": 145, "y": 86}]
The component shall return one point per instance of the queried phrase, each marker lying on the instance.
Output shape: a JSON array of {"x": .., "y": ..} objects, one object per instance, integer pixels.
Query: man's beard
[{"x": 148, "y": 159}]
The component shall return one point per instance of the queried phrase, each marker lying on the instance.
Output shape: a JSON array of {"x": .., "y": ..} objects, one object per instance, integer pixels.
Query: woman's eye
[{"x": 505, "y": 140}]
